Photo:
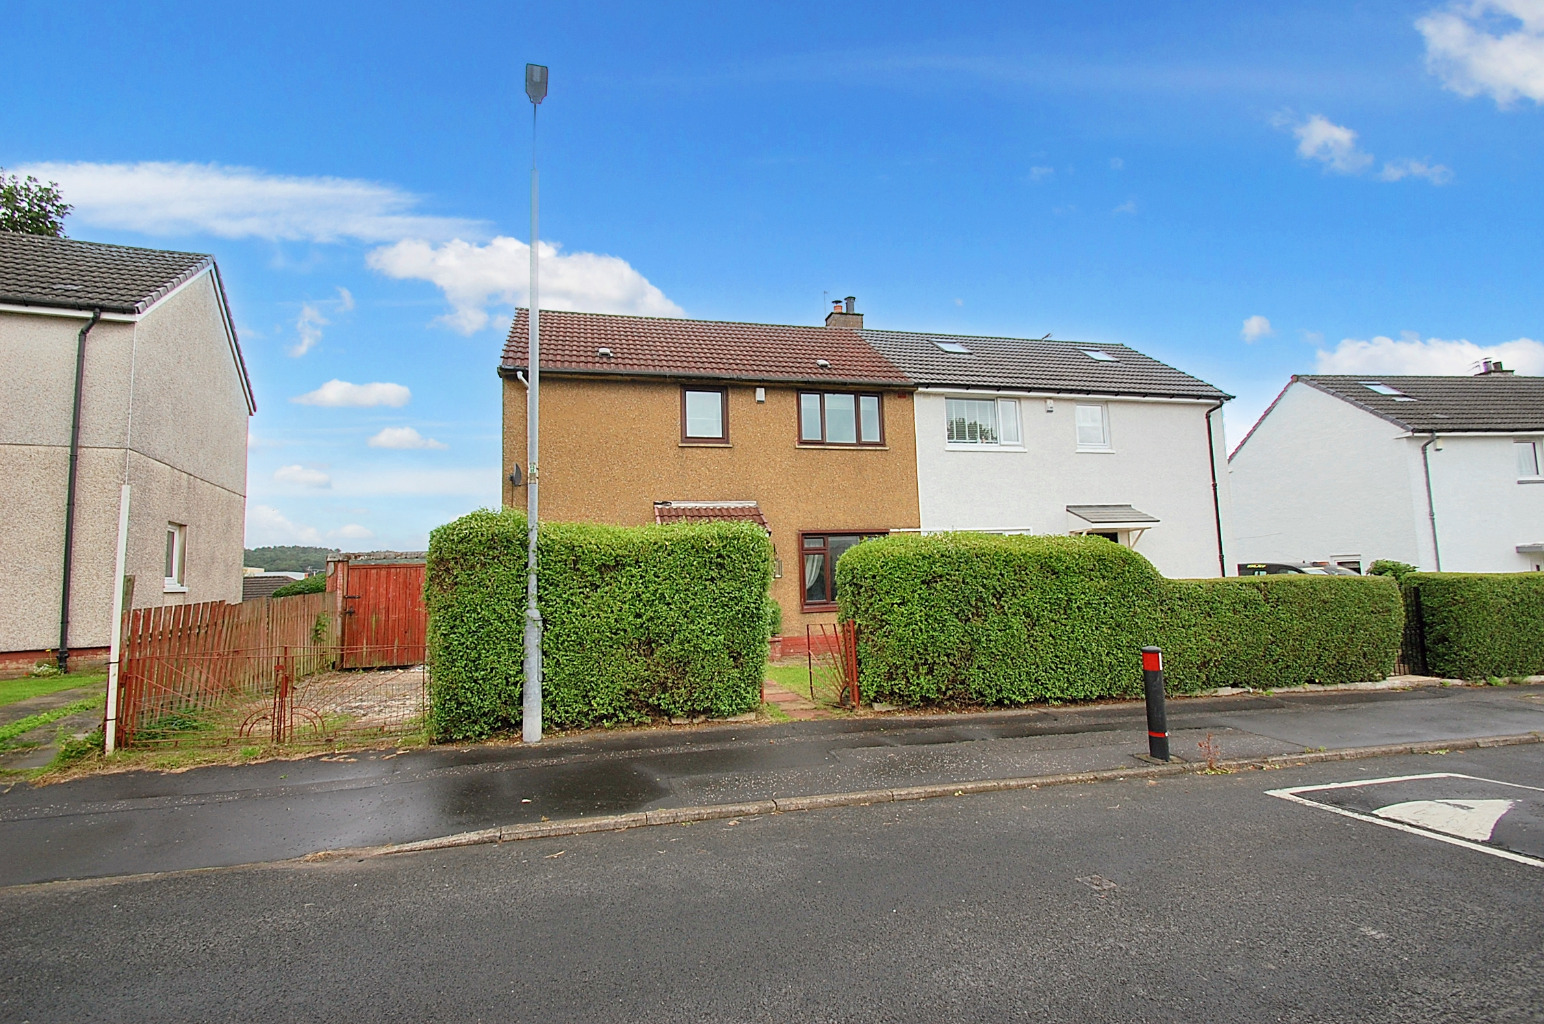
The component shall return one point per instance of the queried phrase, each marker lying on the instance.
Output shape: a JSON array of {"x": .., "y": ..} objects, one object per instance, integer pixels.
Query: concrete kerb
[{"x": 859, "y": 798}]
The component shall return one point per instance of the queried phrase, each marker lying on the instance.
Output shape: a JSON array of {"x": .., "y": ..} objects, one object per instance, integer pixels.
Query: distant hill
[{"x": 288, "y": 559}]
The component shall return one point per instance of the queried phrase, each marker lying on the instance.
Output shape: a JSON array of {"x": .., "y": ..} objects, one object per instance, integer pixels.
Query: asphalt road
[{"x": 1188, "y": 899}]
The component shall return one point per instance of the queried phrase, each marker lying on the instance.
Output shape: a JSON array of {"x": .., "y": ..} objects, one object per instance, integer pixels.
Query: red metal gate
[{"x": 384, "y": 620}]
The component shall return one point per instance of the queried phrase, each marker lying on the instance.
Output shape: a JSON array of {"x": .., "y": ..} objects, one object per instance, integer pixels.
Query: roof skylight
[
  {"x": 1383, "y": 389},
  {"x": 954, "y": 347},
  {"x": 1098, "y": 353}
]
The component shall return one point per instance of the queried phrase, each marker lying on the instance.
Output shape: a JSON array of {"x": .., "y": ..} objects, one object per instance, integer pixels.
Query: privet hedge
[
  {"x": 978, "y": 618},
  {"x": 1479, "y": 625},
  {"x": 639, "y": 621}
]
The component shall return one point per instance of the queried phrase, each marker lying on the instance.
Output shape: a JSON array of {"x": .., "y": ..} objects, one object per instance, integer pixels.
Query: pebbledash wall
[
  {"x": 611, "y": 448},
  {"x": 1319, "y": 478},
  {"x": 1156, "y": 461},
  {"x": 178, "y": 434}
]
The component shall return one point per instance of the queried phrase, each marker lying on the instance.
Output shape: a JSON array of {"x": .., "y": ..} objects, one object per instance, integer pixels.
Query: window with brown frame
[
  {"x": 820, "y": 552},
  {"x": 839, "y": 417},
  {"x": 704, "y": 415}
]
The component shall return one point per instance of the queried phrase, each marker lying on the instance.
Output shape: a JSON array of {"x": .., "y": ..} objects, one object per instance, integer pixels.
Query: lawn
[
  {"x": 13, "y": 690},
  {"x": 795, "y": 676}
]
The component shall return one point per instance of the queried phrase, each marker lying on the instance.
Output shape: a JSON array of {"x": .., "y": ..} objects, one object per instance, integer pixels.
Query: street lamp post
[{"x": 536, "y": 89}]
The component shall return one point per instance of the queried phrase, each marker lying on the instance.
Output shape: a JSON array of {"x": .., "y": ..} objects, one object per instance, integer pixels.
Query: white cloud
[
  {"x": 352, "y": 531},
  {"x": 345, "y": 300},
  {"x": 1039, "y": 174},
  {"x": 1334, "y": 145},
  {"x": 267, "y": 525},
  {"x": 404, "y": 438},
  {"x": 1433, "y": 356},
  {"x": 242, "y": 202},
  {"x": 1129, "y": 206},
  {"x": 302, "y": 476},
  {"x": 341, "y": 394},
  {"x": 473, "y": 277},
  {"x": 1495, "y": 47},
  {"x": 309, "y": 326},
  {"x": 1255, "y": 328},
  {"x": 1405, "y": 167}
]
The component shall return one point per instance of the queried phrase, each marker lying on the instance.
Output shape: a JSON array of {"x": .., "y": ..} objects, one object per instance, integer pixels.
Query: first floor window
[
  {"x": 702, "y": 415},
  {"x": 1527, "y": 458},
  {"x": 820, "y": 551},
  {"x": 176, "y": 552},
  {"x": 982, "y": 420},
  {"x": 1093, "y": 426},
  {"x": 839, "y": 418}
]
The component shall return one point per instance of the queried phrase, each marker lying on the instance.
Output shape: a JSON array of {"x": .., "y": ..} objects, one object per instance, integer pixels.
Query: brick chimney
[
  {"x": 1488, "y": 367},
  {"x": 845, "y": 314}
]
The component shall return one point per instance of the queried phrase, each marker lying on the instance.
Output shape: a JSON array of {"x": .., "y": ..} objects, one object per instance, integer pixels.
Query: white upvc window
[
  {"x": 176, "y": 556},
  {"x": 1527, "y": 459},
  {"x": 1093, "y": 426},
  {"x": 988, "y": 421}
]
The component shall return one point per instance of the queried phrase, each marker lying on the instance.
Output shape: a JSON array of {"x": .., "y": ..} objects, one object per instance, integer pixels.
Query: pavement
[
  {"x": 1190, "y": 898},
  {"x": 139, "y": 822}
]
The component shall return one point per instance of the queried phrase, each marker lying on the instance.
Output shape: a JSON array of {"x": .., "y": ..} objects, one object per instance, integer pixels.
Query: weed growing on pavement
[
  {"x": 1212, "y": 751},
  {"x": 10, "y": 733},
  {"x": 75, "y": 749}
]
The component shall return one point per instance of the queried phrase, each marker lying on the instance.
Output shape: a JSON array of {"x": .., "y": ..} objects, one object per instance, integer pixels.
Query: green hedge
[
  {"x": 316, "y": 583},
  {"x": 984, "y": 619},
  {"x": 1479, "y": 625},
  {"x": 638, "y": 621}
]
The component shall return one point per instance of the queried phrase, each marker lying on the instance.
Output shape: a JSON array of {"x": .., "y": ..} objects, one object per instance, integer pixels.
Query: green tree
[{"x": 31, "y": 207}]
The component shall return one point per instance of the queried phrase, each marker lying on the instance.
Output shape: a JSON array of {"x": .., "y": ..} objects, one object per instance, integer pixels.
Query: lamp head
[{"x": 536, "y": 82}]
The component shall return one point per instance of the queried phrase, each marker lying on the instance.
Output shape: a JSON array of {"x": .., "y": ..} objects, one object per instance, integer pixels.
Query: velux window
[
  {"x": 829, "y": 417},
  {"x": 983, "y": 421},
  {"x": 820, "y": 551},
  {"x": 703, "y": 415}
]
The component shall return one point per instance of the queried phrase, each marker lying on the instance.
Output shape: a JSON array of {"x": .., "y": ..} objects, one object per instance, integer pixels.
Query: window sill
[
  {"x": 1096, "y": 451},
  {"x": 819, "y": 609},
  {"x": 845, "y": 448},
  {"x": 174, "y": 588},
  {"x": 1530, "y": 479},
  {"x": 704, "y": 444},
  {"x": 957, "y": 447}
]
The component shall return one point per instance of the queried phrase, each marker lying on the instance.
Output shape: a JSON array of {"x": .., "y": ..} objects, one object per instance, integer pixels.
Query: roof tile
[
  {"x": 1499, "y": 402},
  {"x": 38, "y": 270}
]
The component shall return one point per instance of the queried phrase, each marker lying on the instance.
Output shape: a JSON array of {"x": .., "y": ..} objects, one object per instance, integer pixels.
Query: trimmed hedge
[
  {"x": 316, "y": 583},
  {"x": 986, "y": 619},
  {"x": 638, "y": 621},
  {"x": 1479, "y": 625}
]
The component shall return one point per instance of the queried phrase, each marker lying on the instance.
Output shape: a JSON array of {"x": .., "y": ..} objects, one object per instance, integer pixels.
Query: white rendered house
[
  {"x": 121, "y": 381},
  {"x": 1052, "y": 437},
  {"x": 1440, "y": 472}
]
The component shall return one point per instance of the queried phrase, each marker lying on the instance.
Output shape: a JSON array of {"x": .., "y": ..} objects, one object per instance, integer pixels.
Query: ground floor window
[
  {"x": 176, "y": 554},
  {"x": 820, "y": 552}
]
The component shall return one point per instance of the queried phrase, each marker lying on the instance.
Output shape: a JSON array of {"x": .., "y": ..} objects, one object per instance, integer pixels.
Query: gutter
[
  {"x": 1431, "y": 505},
  {"x": 69, "y": 495},
  {"x": 1211, "y": 458}
]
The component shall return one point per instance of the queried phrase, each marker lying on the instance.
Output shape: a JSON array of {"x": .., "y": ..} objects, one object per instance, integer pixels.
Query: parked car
[{"x": 1276, "y": 568}]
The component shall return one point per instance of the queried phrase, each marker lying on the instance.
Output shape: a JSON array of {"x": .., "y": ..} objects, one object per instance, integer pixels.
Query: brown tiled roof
[
  {"x": 643, "y": 346},
  {"x": 709, "y": 512}
]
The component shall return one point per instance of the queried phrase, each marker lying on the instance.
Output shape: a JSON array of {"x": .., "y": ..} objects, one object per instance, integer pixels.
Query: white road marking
[
  {"x": 1466, "y": 819},
  {"x": 1292, "y": 796}
]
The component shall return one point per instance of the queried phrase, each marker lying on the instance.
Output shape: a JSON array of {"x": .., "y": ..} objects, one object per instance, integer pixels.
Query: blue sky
[{"x": 1243, "y": 190}]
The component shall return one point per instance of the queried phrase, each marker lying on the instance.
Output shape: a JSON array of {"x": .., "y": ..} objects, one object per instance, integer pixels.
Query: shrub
[
  {"x": 638, "y": 621},
  {"x": 1389, "y": 567},
  {"x": 313, "y": 584},
  {"x": 1007, "y": 620},
  {"x": 1478, "y": 625},
  {"x": 774, "y": 618}
]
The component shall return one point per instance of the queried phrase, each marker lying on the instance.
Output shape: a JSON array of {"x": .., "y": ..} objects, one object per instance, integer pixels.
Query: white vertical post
[
  {"x": 110, "y": 732},
  {"x": 536, "y": 89}
]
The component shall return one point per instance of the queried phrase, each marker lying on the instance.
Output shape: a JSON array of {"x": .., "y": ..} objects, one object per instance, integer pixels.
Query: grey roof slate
[
  {"x": 1026, "y": 364},
  {"x": 36, "y": 270},
  {"x": 1110, "y": 514},
  {"x": 1495, "y": 402}
]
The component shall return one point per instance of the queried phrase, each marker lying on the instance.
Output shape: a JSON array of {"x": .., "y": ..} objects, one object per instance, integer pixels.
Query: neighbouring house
[
  {"x": 1045, "y": 437},
  {"x": 1440, "y": 472},
  {"x": 257, "y": 585},
  {"x": 806, "y": 431},
  {"x": 118, "y": 366}
]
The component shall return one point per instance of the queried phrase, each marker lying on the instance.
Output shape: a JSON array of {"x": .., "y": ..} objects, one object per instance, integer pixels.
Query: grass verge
[
  {"x": 9, "y": 734},
  {"x": 13, "y": 690}
]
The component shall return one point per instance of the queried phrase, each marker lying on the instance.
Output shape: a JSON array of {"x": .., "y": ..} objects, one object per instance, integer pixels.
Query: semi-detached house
[{"x": 828, "y": 435}]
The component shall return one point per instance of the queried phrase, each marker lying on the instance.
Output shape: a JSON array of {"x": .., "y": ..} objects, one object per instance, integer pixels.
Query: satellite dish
[{"x": 514, "y": 476}]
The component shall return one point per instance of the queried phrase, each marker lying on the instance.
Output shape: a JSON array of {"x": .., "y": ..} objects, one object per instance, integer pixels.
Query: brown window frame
[
  {"x": 858, "y": 397},
  {"x": 723, "y": 395},
  {"x": 829, "y": 571}
]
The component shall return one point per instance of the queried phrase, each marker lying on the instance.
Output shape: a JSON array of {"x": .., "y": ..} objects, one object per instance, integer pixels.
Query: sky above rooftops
[{"x": 1241, "y": 191}]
